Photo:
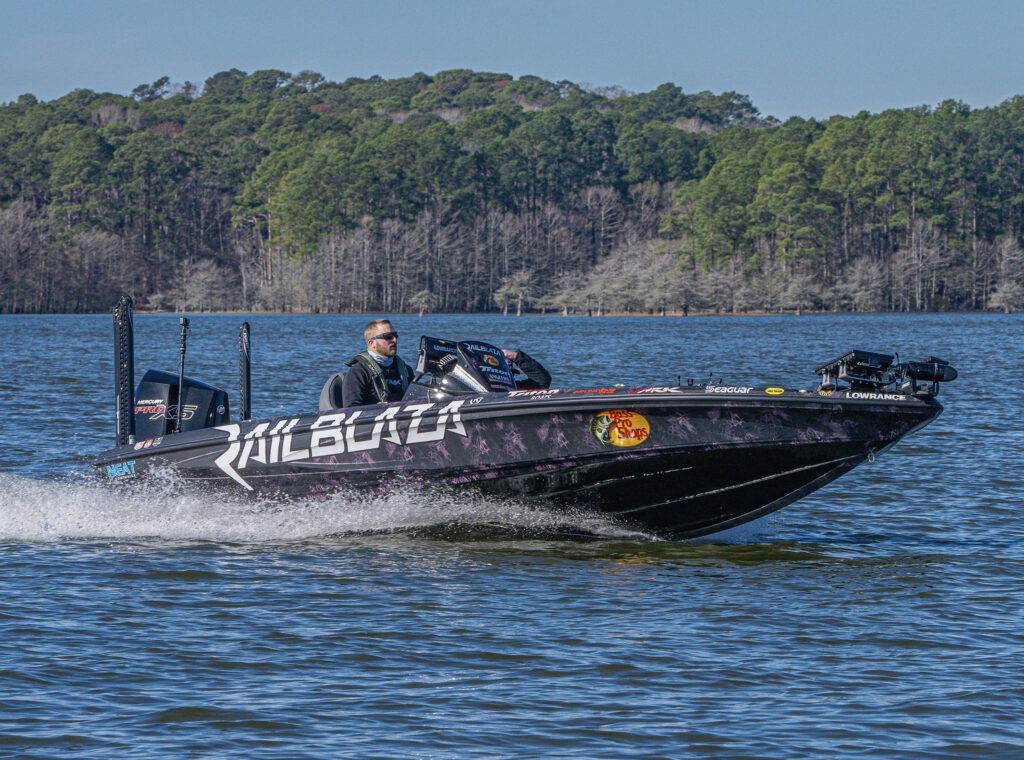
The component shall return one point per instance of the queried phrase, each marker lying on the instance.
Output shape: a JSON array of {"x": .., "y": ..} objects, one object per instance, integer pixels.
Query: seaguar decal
[{"x": 332, "y": 434}]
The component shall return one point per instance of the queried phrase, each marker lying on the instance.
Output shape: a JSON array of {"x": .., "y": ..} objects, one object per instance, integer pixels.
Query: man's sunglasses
[{"x": 386, "y": 336}]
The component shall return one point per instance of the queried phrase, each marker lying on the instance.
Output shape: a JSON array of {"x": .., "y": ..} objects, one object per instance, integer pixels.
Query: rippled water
[{"x": 879, "y": 617}]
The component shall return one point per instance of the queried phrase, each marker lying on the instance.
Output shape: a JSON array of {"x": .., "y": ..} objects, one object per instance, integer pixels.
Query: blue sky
[{"x": 792, "y": 57}]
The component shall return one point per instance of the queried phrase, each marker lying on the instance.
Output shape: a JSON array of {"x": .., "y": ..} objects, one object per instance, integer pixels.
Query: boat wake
[{"x": 164, "y": 507}]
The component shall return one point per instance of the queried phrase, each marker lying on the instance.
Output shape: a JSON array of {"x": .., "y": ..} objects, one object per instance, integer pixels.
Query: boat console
[{"x": 455, "y": 368}]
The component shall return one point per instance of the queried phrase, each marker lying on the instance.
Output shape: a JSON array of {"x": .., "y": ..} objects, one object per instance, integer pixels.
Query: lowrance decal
[
  {"x": 332, "y": 434},
  {"x": 877, "y": 396}
]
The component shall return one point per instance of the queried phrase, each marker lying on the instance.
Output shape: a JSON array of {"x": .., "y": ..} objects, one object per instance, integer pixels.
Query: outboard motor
[{"x": 157, "y": 408}]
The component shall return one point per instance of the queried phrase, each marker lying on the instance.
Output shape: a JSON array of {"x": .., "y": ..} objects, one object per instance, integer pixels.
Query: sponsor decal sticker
[
  {"x": 121, "y": 469},
  {"x": 733, "y": 389},
  {"x": 877, "y": 396},
  {"x": 774, "y": 391},
  {"x": 157, "y": 441},
  {"x": 620, "y": 427},
  {"x": 492, "y": 360},
  {"x": 596, "y": 390},
  {"x": 658, "y": 389},
  {"x": 160, "y": 410},
  {"x": 536, "y": 393},
  {"x": 147, "y": 444}
]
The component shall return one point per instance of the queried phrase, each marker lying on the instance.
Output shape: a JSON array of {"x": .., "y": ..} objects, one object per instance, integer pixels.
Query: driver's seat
[{"x": 330, "y": 396}]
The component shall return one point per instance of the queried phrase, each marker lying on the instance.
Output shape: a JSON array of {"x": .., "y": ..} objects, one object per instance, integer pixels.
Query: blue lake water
[{"x": 880, "y": 617}]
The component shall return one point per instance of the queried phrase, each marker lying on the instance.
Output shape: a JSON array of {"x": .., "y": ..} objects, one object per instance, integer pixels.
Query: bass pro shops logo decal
[{"x": 620, "y": 427}]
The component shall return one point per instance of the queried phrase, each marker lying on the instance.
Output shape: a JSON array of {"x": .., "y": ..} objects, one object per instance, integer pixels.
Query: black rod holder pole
[
  {"x": 244, "y": 374},
  {"x": 124, "y": 371},
  {"x": 183, "y": 321}
]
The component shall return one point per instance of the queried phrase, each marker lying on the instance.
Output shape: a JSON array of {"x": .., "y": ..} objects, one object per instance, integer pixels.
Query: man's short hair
[{"x": 374, "y": 328}]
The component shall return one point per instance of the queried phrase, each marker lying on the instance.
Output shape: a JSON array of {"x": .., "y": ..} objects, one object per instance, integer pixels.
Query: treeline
[{"x": 470, "y": 191}]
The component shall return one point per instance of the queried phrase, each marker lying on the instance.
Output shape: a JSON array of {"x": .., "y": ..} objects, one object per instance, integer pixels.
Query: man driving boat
[{"x": 378, "y": 375}]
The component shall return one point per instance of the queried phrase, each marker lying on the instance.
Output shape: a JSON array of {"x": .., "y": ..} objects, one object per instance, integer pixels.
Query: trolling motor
[
  {"x": 165, "y": 403},
  {"x": 866, "y": 371},
  {"x": 932, "y": 371}
]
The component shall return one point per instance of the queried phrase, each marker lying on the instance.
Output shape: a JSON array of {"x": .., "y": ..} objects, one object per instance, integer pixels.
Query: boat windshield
[{"x": 464, "y": 366}]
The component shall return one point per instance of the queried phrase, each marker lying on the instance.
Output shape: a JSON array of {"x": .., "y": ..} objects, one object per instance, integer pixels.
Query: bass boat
[{"x": 676, "y": 461}]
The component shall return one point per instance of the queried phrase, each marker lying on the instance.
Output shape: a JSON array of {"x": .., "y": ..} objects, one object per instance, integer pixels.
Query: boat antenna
[
  {"x": 183, "y": 321},
  {"x": 244, "y": 373},
  {"x": 124, "y": 371}
]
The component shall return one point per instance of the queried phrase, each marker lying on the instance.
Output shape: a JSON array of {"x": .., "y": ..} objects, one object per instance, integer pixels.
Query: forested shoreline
[{"x": 472, "y": 191}]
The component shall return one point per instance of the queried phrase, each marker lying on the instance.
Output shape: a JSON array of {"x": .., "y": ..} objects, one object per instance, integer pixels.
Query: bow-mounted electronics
[
  {"x": 862, "y": 370},
  {"x": 872, "y": 372}
]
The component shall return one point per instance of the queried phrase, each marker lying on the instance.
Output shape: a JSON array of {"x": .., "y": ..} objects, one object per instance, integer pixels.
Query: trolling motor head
[
  {"x": 931, "y": 371},
  {"x": 872, "y": 372}
]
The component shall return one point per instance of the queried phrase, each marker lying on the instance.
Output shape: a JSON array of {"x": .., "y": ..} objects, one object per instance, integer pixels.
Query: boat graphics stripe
[{"x": 828, "y": 463}]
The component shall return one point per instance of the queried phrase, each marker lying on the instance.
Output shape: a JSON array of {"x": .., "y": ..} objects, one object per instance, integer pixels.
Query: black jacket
[
  {"x": 363, "y": 385},
  {"x": 536, "y": 375}
]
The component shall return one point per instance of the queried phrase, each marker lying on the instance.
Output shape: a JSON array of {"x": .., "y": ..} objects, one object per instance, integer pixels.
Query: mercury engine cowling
[{"x": 156, "y": 405}]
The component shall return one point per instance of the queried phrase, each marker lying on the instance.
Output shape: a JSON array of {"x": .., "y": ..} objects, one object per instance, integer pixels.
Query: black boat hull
[{"x": 675, "y": 462}]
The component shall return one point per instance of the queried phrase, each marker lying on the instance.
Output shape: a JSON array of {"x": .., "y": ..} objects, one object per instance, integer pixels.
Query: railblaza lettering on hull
[{"x": 333, "y": 434}]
